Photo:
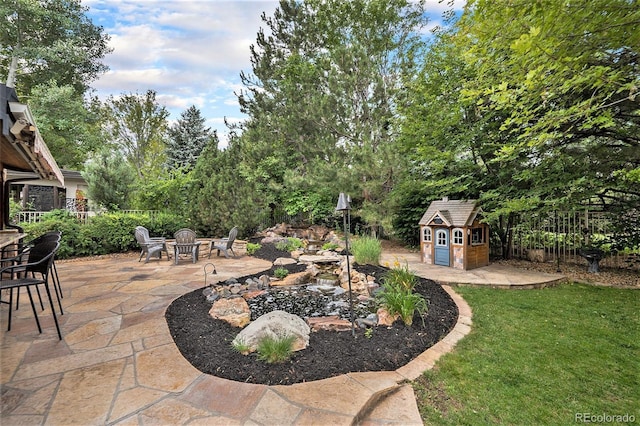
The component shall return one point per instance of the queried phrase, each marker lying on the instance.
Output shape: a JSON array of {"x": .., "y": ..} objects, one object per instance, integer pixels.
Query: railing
[
  {"x": 561, "y": 236},
  {"x": 82, "y": 216}
]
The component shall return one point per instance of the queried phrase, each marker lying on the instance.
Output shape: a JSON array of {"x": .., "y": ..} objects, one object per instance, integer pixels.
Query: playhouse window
[
  {"x": 426, "y": 234},
  {"x": 477, "y": 236},
  {"x": 458, "y": 237}
]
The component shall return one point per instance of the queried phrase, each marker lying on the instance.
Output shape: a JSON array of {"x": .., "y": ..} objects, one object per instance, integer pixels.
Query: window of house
[
  {"x": 477, "y": 236},
  {"x": 441, "y": 238},
  {"x": 458, "y": 237},
  {"x": 426, "y": 234}
]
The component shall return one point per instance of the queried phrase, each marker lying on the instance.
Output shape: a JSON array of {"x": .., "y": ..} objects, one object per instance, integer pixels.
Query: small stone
[
  {"x": 281, "y": 261},
  {"x": 253, "y": 294},
  {"x": 235, "y": 311},
  {"x": 332, "y": 323},
  {"x": 212, "y": 297},
  {"x": 385, "y": 318}
]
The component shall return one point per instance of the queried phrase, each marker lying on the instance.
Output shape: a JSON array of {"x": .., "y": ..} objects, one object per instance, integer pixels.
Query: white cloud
[{"x": 190, "y": 52}]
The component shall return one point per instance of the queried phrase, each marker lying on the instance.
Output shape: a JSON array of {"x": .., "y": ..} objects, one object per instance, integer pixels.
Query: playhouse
[{"x": 452, "y": 234}]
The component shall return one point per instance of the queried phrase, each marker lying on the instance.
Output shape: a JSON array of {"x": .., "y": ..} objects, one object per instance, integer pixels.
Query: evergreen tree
[
  {"x": 321, "y": 101},
  {"x": 187, "y": 138},
  {"x": 110, "y": 180}
]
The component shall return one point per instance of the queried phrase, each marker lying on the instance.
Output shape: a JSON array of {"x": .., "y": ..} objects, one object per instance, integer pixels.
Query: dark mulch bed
[{"x": 206, "y": 343}]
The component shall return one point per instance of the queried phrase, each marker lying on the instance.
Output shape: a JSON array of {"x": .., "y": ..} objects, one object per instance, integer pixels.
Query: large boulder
[
  {"x": 275, "y": 325},
  {"x": 235, "y": 311}
]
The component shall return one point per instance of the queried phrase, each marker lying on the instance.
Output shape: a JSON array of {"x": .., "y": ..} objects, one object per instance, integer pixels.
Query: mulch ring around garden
[{"x": 206, "y": 342}]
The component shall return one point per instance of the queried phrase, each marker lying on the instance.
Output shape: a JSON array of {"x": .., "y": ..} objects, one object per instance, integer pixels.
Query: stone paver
[{"x": 117, "y": 363}]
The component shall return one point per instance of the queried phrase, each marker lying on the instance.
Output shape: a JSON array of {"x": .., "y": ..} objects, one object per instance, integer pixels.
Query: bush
[
  {"x": 165, "y": 224},
  {"x": 57, "y": 220},
  {"x": 281, "y": 272},
  {"x": 274, "y": 350},
  {"x": 110, "y": 233},
  {"x": 289, "y": 244},
  {"x": 402, "y": 276},
  {"x": 252, "y": 248},
  {"x": 102, "y": 234},
  {"x": 366, "y": 250},
  {"x": 330, "y": 246}
]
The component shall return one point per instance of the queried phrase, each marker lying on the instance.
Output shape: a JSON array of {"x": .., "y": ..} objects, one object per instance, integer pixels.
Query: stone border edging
[{"x": 426, "y": 360}]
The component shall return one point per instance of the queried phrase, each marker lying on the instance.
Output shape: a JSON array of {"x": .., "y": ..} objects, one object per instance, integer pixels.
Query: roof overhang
[{"x": 28, "y": 142}]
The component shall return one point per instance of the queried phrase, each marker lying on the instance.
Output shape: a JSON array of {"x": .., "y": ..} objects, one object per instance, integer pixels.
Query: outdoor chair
[
  {"x": 151, "y": 246},
  {"x": 186, "y": 243},
  {"x": 224, "y": 244},
  {"x": 18, "y": 259},
  {"x": 39, "y": 261}
]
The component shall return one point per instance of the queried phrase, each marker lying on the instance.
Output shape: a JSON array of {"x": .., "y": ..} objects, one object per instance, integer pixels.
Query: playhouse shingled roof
[{"x": 456, "y": 212}]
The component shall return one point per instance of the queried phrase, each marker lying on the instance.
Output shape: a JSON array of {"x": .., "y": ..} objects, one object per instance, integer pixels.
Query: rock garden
[{"x": 299, "y": 322}]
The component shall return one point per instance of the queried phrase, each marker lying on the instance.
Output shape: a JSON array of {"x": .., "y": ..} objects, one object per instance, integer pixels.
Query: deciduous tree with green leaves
[
  {"x": 539, "y": 106},
  {"x": 137, "y": 125},
  {"x": 44, "y": 40},
  {"x": 69, "y": 123}
]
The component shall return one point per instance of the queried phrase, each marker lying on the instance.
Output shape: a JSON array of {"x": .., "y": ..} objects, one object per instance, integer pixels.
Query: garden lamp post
[{"x": 344, "y": 207}]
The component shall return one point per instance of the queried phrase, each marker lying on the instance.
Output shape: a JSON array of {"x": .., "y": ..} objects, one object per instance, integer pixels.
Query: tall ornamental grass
[{"x": 366, "y": 250}]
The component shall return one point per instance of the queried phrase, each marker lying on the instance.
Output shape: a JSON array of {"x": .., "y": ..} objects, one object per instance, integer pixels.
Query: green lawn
[{"x": 539, "y": 357}]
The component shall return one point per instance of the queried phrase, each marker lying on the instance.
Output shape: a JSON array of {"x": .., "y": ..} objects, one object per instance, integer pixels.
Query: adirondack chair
[
  {"x": 186, "y": 244},
  {"x": 150, "y": 246},
  {"x": 224, "y": 244}
]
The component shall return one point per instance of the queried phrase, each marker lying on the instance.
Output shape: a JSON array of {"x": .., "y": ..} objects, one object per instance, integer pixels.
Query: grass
[
  {"x": 397, "y": 294},
  {"x": 366, "y": 250},
  {"x": 275, "y": 350},
  {"x": 539, "y": 357}
]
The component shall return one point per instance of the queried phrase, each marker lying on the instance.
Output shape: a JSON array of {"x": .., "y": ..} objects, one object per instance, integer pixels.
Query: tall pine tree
[{"x": 187, "y": 139}]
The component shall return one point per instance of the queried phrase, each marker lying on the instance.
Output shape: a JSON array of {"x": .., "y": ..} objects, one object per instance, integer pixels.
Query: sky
[{"x": 191, "y": 52}]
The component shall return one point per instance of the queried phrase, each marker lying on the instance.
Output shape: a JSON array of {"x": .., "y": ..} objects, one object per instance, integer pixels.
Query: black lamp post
[{"x": 344, "y": 207}]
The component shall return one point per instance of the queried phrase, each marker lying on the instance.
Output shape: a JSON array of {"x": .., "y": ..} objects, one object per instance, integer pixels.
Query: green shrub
[
  {"x": 275, "y": 350},
  {"x": 398, "y": 297},
  {"x": 252, "y": 248},
  {"x": 281, "y": 272},
  {"x": 330, "y": 246},
  {"x": 102, "y": 234},
  {"x": 289, "y": 244},
  {"x": 110, "y": 233},
  {"x": 366, "y": 250},
  {"x": 165, "y": 224},
  {"x": 57, "y": 220}
]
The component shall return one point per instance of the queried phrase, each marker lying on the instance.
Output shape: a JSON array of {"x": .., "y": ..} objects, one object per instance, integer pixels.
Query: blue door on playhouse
[{"x": 441, "y": 254}]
